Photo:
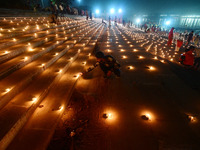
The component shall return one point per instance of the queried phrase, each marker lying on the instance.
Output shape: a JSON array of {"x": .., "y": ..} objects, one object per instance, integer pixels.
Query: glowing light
[
  {"x": 7, "y": 90},
  {"x": 141, "y": 57},
  {"x": 34, "y": 99},
  {"x": 135, "y": 50},
  {"x": 84, "y": 63},
  {"x": 112, "y": 10},
  {"x": 108, "y": 116},
  {"x": 60, "y": 70},
  {"x": 146, "y": 117},
  {"x": 120, "y": 10},
  {"x": 138, "y": 20},
  {"x": 108, "y": 50},
  {"x": 61, "y": 108},
  {"x": 25, "y": 58},
  {"x": 97, "y": 11},
  {"x": 124, "y": 57},
  {"x": 168, "y": 22},
  {"x": 30, "y": 49},
  {"x": 6, "y": 52},
  {"x": 122, "y": 50},
  {"x": 151, "y": 68},
  {"x": 130, "y": 67},
  {"x": 38, "y": 27},
  {"x": 14, "y": 40},
  {"x": 162, "y": 61},
  {"x": 78, "y": 75},
  {"x": 191, "y": 118},
  {"x": 42, "y": 65}
]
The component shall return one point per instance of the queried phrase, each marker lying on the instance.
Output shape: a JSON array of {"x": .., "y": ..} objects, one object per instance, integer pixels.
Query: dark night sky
[{"x": 187, "y": 7}]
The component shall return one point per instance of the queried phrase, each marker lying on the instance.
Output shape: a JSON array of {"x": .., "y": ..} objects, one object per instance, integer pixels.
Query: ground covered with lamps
[{"x": 151, "y": 106}]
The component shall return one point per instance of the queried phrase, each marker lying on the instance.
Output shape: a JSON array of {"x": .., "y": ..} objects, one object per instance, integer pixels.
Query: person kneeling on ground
[
  {"x": 107, "y": 63},
  {"x": 189, "y": 60}
]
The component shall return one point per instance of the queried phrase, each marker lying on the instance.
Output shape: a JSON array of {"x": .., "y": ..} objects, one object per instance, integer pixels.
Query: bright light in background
[
  {"x": 138, "y": 20},
  {"x": 112, "y": 10},
  {"x": 120, "y": 10},
  {"x": 97, "y": 11},
  {"x": 79, "y": 1},
  {"x": 168, "y": 22}
]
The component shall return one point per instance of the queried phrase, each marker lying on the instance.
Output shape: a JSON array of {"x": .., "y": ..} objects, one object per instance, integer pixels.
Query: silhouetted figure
[
  {"x": 196, "y": 41},
  {"x": 109, "y": 21},
  {"x": 54, "y": 14},
  {"x": 86, "y": 13},
  {"x": 190, "y": 37},
  {"x": 90, "y": 14}
]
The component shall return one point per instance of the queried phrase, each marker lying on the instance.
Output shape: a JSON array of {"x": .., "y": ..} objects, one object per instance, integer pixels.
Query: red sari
[{"x": 170, "y": 37}]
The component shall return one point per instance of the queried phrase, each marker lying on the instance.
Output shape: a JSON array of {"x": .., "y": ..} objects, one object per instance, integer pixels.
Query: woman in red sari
[{"x": 170, "y": 37}]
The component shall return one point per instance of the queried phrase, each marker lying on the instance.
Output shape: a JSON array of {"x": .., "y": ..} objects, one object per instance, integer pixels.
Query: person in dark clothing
[
  {"x": 90, "y": 14},
  {"x": 87, "y": 15},
  {"x": 190, "y": 37},
  {"x": 107, "y": 63},
  {"x": 54, "y": 14}
]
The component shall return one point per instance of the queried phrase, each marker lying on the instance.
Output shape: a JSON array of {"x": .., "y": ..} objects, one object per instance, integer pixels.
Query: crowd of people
[{"x": 61, "y": 11}]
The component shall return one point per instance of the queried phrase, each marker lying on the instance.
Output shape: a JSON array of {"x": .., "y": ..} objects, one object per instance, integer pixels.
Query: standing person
[
  {"x": 109, "y": 21},
  {"x": 54, "y": 14},
  {"x": 123, "y": 22},
  {"x": 82, "y": 12},
  {"x": 145, "y": 27},
  {"x": 196, "y": 41},
  {"x": 190, "y": 37},
  {"x": 90, "y": 14},
  {"x": 68, "y": 9},
  {"x": 107, "y": 63},
  {"x": 170, "y": 37},
  {"x": 115, "y": 20},
  {"x": 86, "y": 13}
]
